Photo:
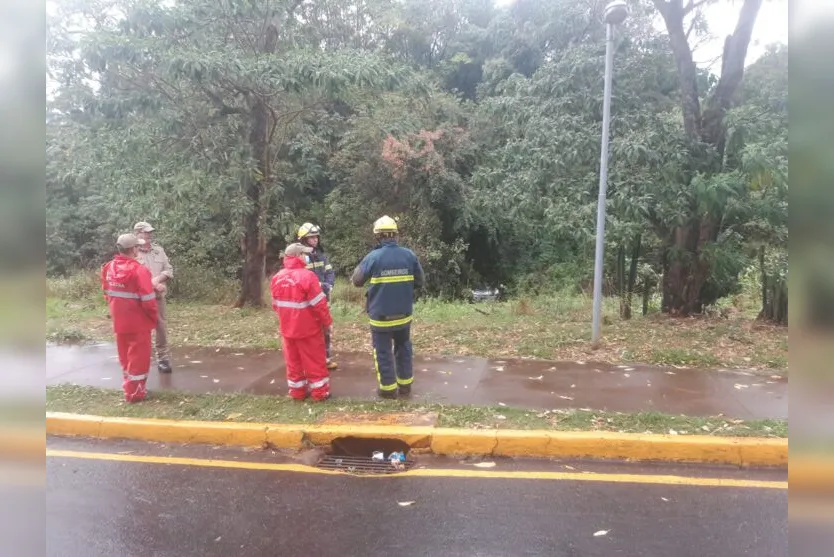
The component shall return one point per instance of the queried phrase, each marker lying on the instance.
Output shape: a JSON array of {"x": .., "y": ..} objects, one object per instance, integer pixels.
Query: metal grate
[{"x": 361, "y": 465}]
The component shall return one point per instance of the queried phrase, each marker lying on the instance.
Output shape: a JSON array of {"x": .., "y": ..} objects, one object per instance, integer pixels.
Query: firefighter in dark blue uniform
[
  {"x": 393, "y": 272},
  {"x": 309, "y": 235}
]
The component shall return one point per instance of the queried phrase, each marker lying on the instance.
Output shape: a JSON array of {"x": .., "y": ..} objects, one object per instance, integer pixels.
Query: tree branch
[
  {"x": 672, "y": 12},
  {"x": 225, "y": 110},
  {"x": 692, "y": 6},
  {"x": 735, "y": 53}
]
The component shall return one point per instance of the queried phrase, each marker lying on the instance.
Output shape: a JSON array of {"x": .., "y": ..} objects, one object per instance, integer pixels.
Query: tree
[
  {"x": 222, "y": 88},
  {"x": 689, "y": 240}
]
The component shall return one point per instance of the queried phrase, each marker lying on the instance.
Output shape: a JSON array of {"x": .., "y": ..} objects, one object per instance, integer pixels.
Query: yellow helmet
[
  {"x": 385, "y": 224},
  {"x": 307, "y": 229}
]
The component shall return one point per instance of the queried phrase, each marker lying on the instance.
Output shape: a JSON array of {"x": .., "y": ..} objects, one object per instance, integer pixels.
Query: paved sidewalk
[{"x": 531, "y": 384}]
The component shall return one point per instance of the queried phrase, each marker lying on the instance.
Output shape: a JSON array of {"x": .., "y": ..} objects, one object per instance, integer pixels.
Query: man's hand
[
  {"x": 160, "y": 288},
  {"x": 329, "y": 332}
]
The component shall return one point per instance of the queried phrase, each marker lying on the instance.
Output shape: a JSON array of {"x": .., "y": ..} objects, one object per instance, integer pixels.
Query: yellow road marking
[{"x": 429, "y": 472}]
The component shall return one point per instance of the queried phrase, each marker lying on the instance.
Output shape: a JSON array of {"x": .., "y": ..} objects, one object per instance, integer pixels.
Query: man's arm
[
  {"x": 167, "y": 270},
  {"x": 147, "y": 296},
  {"x": 419, "y": 275},
  {"x": 361, "y": 273},
  {"x": 318, "y": 302},
  {"x": 329, "y": 274}
]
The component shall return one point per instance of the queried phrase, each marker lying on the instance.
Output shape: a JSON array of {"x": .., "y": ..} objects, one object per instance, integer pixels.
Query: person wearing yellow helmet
[
  {"x": 392, "y": 272},
  {"x": 310, "y": 235}
]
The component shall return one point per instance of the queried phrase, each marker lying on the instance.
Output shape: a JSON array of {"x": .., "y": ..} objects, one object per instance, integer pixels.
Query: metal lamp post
[{"x": 615, "y": 13}]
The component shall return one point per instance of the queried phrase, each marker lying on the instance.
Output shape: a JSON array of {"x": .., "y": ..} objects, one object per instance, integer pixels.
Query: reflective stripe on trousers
[
  {"x": 297, "y": 384},
  {"x": 320, "y": 384},
  {"x": 129, "y": 377}
]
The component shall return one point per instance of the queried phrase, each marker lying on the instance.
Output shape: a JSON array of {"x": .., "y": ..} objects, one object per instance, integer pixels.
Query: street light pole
[{"x": 615, "y": 13}]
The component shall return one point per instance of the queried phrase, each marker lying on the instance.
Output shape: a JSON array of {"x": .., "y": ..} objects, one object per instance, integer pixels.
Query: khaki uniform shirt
[{"x": 156, "y": 260}]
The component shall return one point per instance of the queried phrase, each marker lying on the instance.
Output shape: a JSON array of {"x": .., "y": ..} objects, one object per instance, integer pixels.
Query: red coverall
[
  {"x": 132, "y": 300},
  {"x": 302, "y": 315}
]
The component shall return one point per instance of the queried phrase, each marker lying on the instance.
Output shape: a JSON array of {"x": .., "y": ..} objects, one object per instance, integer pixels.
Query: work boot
[
  {"x": 391, "y": 395},
  {"x": 405, "y": 390},
  {"x": 164, "y": 366},
  {"x": 331, "y": 364}
]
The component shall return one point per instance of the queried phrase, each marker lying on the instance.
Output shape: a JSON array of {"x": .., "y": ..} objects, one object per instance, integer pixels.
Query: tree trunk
[
  {"x": 774, "y": 295},
  {"x": 254, "y": 242},
  {"x": 685, "y": 270},
  {"x": 763, "y": 272},
  {"x": 621, "y": 280},
  {"x": 632, "y": 276}
]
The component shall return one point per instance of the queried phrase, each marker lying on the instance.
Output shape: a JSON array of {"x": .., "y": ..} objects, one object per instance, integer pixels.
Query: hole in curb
[{"x": 354, "y": 455}]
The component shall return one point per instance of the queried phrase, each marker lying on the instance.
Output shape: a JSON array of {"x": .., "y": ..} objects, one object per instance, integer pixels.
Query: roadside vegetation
[
  {"x": 270, "y": 409},
  {"x": 554, "y": 326}
]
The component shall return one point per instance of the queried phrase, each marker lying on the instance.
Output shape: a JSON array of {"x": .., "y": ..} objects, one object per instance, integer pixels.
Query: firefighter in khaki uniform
[{"x": 153, "y": 257}]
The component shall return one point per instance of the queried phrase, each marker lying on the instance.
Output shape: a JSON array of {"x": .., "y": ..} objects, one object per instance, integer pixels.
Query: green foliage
[{"x": 476, "y": 126}]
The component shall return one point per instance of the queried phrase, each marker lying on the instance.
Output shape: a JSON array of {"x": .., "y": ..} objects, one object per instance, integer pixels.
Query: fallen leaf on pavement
[
  {"x": 272, "y": 382},
  {"x": 405, "y": 503},
  {"x": 539, "y": 378},
  {"x": 204, "y": 377},
  {"x": 501, "y": 404},
  {"x": 484, "y": 465},
  {"x": 566, "y": 397},
  {"x": 665, "y": 499},
  {"x": 234, "y": 416},
  {"x": 195, "y": 362},
  {"x": 626, "y": 375},
  {"x": 216, "y": 380},
  {"x": 569, "y": 467},
  {"x": 238, "y": 353},
  {"x": 740, "y": 386},
  {"x": 601, "y": 533}
]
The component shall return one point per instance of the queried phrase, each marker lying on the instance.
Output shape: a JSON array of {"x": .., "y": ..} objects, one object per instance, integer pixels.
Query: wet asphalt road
[{"x": 105, "y": 508}]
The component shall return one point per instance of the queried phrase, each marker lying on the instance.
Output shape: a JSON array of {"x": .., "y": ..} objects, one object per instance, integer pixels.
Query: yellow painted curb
[{"x": 442, "y": 441}]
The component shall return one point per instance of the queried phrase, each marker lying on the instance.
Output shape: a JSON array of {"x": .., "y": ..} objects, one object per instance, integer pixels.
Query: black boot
[
  {"x": 164, "y": 366},
  {"x": 405, "y": 390},
  {"x": 392, "y": 395}
]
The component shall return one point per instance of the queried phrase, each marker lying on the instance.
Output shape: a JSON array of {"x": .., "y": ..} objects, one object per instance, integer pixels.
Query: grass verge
[
  {"x": 551, "y": 328},
  {"x": 258, "y": 408}
]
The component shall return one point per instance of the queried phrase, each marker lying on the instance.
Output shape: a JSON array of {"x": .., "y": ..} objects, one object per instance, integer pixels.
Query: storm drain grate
[{"x": 362, "y": 465}]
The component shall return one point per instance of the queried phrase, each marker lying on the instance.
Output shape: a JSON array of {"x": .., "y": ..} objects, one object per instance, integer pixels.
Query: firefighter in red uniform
[
  {"x": 303, "y": 317},
  {"x": 130, "y": 294}
]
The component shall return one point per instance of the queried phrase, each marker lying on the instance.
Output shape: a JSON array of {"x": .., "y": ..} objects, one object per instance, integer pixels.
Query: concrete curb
[{"x": 442, "y": 441}]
